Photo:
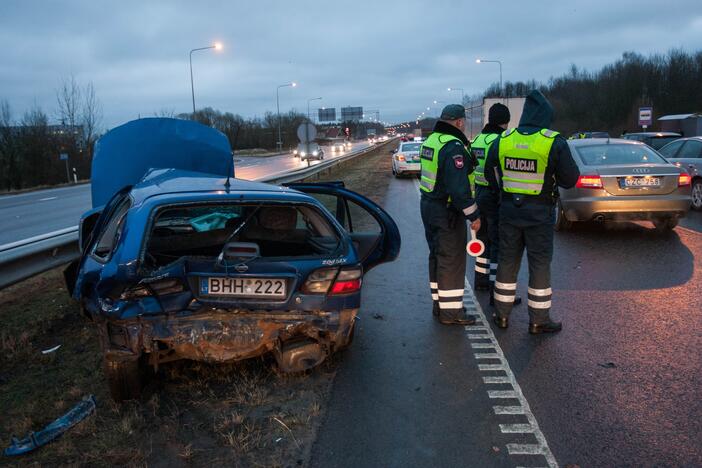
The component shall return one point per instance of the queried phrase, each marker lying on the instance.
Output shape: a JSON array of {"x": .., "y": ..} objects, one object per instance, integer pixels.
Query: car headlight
[
  {"x": 315, "y": 153},
  {"x": 303, "y": 154}
]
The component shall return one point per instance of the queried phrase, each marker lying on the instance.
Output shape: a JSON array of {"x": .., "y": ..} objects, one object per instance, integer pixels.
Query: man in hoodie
[
  {"x": 527, "y": 164},
  {"x": 488, "y": 201},
  {"x": 446, "y": 203}
]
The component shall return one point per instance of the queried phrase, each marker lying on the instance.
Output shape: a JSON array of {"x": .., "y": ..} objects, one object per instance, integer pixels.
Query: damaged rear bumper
[{"x": 298, "y": 340}]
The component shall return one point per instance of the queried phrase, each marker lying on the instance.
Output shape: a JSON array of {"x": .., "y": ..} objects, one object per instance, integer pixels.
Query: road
[
  {"x": 619, "y": 386},
  {"x": 31, "y": 214}
]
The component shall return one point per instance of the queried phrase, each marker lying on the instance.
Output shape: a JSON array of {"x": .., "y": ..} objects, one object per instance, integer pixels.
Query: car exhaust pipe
[{"x": 299, "y": 355}]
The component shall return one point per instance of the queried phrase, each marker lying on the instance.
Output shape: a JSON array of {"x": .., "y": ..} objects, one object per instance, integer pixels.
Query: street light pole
[
  {"x": 308, "y": 106},
  {"x": 493, "y": 61},
  {"x": 216, "y": 46},
  {"x": 277, "y": 104}
]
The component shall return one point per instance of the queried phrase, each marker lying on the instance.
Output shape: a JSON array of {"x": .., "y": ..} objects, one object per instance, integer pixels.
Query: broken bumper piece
[{"x": 36, "y": 439}]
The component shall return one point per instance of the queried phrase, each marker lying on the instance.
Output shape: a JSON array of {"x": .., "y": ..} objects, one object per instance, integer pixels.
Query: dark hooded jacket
[
  {"x": 455, "y": 163},
  {"x": 561, "y": 170}
]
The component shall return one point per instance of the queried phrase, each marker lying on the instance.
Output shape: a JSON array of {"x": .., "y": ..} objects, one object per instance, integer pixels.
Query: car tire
[
  {"x": 125, "y": 379},
  {"x": 696, "y": 194},
  {"x": 665, "y": 224},
  {"x": 562, "y": 223}
]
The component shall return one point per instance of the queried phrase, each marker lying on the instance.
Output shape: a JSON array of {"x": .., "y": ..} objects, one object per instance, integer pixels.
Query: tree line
[{"x": 609, "y": 99}]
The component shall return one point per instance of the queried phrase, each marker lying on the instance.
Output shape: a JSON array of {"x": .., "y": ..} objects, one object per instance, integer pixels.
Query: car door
[
  {"x": 690, "y": 157},
  {"x": 74, "y": 272},
  {"x": 374, "y": 233},
  {"x": 670, "y": 150}
]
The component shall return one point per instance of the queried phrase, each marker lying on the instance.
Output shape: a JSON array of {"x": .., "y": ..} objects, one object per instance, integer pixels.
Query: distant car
[
  {"x": 372, "y": 140},
  {"x": 623, "y": 180},
  {"x": 686, "y": 153},
  {"x": 405, "y": 159},
  {"x": 177, "y": 264},
  {"x": 338, "y": 148},
  {"x": 655, "y": 140},
  {"x": 581, "y": 135},
  {"x": 308, "y": 152}
]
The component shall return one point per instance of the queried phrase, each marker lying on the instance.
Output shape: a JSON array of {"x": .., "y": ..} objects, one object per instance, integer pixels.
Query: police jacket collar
[
  {"x": 443, "y": 127},
  {"x": 492, "y": 128}
]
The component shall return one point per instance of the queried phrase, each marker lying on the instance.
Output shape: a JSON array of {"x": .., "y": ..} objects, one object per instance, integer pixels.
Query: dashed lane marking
[
  {"x": 492, "y": 350},
  {"x": 531, "y": 426},
  {"x": 48, "y": 198}
]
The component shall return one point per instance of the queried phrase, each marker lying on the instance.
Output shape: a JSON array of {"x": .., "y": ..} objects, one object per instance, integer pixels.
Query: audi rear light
[
  {"x": 589, "y": 181},
  {"x": 684, "y": 179},
  {"x": 319, "y": 281},
  {"x": 348, "y": 281}
]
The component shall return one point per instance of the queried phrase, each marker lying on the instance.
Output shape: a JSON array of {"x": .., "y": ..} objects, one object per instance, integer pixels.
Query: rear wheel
[
  {"x": 125, "y": 378},
  {"x": 697, "y": 194},
  {"x": 665, "y": 224},
  {"x": 562, "y": 223}
]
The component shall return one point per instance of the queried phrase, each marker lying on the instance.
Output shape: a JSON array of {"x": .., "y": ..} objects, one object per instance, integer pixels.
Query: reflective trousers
[
  {"x": 446, "y": 233},
  {"x": 486, "y": 264},
  {"x": 538, "y": 241}
]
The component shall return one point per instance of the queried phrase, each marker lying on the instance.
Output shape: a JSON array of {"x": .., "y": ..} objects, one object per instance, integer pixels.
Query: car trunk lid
[{"x": 640, "y": 179}]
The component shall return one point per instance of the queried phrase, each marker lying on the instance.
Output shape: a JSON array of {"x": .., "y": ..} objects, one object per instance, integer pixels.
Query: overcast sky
[{"x": 393, "y": 56}]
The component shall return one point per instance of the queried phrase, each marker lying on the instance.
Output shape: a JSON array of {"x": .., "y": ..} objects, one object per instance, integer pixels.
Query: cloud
[{"x": 394, "y": 56}]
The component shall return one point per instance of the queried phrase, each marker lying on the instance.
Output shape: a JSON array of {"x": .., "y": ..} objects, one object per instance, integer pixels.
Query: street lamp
[
  {"x": 277, "y": 104},
  {"x": 216, "y": 46},
  {"x": 459, "y": 90},
  {"x": 493, "y": 61},
  {"x": 308, "y": 106}
]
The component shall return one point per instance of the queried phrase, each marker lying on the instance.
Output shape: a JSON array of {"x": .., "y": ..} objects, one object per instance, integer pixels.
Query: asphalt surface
[
  {"x": 619, "y": 386},
  {"x": 40, "y": 212}
]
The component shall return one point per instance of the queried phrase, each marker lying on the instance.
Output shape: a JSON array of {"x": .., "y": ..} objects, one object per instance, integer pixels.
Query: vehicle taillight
[
  {"x": 400, "y": 157},
  {"x": 589, "y": 181},
  {"x": 319, "y": 281},
  {"x": 684, "y": 180},
  {"x": 348, "y": 281}
]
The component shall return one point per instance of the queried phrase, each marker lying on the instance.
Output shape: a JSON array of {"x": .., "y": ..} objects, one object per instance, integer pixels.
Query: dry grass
[{"x": 194, "y": 414}]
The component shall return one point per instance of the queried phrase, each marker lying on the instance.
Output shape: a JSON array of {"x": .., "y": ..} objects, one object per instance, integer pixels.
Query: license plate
[
  {"x": 243, "y": 287},
  {"x": 630, "y": 182}
]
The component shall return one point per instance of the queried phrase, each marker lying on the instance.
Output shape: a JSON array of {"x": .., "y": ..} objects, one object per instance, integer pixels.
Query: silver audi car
[{"x": 623, "y": 180}]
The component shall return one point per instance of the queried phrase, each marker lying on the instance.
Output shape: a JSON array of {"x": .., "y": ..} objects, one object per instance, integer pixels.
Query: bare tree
[
  {"x": 91, "y": 117},
  {"x": 166, "y": 112},
  {"x": 68, "y": 98}
]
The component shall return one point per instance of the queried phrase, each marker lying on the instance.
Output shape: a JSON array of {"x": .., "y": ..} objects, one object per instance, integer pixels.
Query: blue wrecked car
[{"x": 180, "y": 260}]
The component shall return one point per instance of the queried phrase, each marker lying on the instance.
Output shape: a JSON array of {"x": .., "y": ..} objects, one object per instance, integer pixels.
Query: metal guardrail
[{"x": 23, "y": 259}]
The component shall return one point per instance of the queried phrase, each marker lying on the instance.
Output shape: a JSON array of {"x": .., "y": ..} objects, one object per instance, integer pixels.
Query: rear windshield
[
  {"x": 203, "y": 230},
  {"x": 411, "y": 146},
  {"x": 601, "y": 155}
]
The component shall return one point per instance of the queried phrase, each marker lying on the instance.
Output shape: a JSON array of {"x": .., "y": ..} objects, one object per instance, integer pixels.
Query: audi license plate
[
  {"x": 632, "y": 182},
  {"x": 242, "y": 287}
]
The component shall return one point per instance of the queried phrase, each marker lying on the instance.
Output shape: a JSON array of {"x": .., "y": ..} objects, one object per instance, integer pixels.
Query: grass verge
[{"x": 193, "y": 414}]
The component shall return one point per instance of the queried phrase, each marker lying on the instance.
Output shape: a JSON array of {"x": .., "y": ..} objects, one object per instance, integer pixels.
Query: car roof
[
  {"x": 175, "y": 181},
  {"x": 603, "y": 141},
  {"x": 655, "y": 134}
]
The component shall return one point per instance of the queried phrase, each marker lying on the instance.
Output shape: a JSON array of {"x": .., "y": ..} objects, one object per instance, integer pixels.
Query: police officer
[
  {"x": 446, "y": 203},
  {"x": 488, "y": 201},
  {"x": 528, "y": 164}
]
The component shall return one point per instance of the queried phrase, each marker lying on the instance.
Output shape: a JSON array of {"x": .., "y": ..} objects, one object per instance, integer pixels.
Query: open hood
[{"x": 125, "y": 154}]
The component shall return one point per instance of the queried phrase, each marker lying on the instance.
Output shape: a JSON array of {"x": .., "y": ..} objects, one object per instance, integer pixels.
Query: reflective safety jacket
[
  {"x": 480, "y": 147},
  {"x": 429, "y": 158},
  {"x": 523, "y": 160}
]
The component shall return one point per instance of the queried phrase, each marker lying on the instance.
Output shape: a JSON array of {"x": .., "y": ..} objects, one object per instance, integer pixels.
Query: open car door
[{"x": 373, "y": 232}]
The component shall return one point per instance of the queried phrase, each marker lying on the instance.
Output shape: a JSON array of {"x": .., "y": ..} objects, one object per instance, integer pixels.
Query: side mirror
[{"x": 394, "y": 151}]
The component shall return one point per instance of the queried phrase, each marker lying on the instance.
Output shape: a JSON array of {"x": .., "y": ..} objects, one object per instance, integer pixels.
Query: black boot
[
  {"x": 501, "y": 322},
  {"x": 460, "y": 318},
  {"x": 546, "y": 327}
]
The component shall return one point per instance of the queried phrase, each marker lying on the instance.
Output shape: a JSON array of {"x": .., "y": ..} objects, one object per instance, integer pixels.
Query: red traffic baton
[{"x": 475, "y": 246}]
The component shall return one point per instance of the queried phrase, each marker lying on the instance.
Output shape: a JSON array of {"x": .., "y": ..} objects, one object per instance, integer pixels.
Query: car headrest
[{"x": 281, "y": 218}]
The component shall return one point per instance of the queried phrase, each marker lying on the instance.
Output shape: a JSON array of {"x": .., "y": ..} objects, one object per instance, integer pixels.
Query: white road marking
[
  {"x": 48, "y": 198},
  {"x": 509, "y": 409},
  {"x": 516, "y": 429},
  {"x": 541, "y": 448}
]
